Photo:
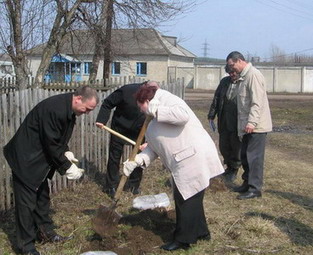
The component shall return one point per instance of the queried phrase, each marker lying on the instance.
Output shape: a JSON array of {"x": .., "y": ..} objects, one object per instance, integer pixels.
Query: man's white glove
[
  {"x": 129, "y": 166},
  {"x": 70, "y": 156},
  {"x": 153, "y": 106},
  {"x": 74, "y": 172}
]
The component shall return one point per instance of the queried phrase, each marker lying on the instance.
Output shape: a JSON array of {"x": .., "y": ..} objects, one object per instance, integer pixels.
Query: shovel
[{"x": 107, "y": 217}]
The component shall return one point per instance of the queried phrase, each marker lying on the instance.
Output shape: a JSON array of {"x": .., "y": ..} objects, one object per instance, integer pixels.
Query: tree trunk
[{"x": 62, "y": 21}]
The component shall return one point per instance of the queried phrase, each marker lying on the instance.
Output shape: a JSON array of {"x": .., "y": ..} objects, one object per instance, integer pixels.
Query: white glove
[
  {"x": 70, "y": 156},
  {"x": 153, "y": 107},
  {"x": 74, "y": 173},
  {"x": 129, "y": 166}
]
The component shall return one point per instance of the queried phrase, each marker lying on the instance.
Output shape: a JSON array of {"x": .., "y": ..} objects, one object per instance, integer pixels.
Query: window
[
  {"x": 116, "y": 68},
  {"x": 87, "y": 67},
  {"x": 141, "y": 68}
]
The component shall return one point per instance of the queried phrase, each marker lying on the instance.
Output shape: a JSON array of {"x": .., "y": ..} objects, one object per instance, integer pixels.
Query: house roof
[{"x": 125, "y": 42}]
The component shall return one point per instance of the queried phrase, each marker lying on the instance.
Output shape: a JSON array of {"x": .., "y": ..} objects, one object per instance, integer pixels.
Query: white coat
[{"x": 185, "y": 148}]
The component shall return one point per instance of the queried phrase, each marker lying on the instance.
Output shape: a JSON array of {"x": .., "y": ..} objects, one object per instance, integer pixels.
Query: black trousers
[
  {"x": 113, "y": 168},
  {"x": 252, "y": 158},
  {"x": 190, "y": 219},
  {"x": 230, "y": 148},
  {"x": 31, "y": 212}
]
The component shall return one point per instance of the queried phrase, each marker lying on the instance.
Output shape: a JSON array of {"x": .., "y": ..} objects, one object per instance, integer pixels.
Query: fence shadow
[
  {"x": 303, "y": 201},
  {"x": 299, "y": 233}
]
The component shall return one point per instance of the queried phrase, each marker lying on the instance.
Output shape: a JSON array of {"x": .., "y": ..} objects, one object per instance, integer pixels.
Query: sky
[{"x": 253, "y": 27}]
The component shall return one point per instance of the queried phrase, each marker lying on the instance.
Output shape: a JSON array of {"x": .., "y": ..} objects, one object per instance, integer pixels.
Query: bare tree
[
  {"x": 125, "y": 14},
  {"x": 278, "y": 55},
  {"x": 18, "y": 33},
  {"x": 65, "y": 16}
]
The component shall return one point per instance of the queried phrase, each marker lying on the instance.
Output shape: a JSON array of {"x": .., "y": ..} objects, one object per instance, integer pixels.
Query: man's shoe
[
  {"x": 206, "y": 237},
  {"x": 111, "y": 192},
  {"x": 135, "y": 190},
  {"x": 241, "y": 189},
  {"x": 175, "y": 245},
  {"x": 230, "y": 174},
  {"x": 250, "y": 194},
  {"x": 31, "y": 252},
  {"x": 52, "y": 237}
]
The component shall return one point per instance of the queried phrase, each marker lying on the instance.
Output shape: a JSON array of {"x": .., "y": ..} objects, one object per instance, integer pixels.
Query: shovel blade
[{"x": 106, "y": 220}]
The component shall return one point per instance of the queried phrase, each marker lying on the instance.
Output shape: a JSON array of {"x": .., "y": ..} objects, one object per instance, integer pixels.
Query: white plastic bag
[
  {"x": 151, "y": 201},
  {"x": 99, "y": 253}
]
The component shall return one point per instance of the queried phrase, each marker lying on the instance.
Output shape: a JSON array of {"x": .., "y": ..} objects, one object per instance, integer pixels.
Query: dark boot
[
  {"x": 230, "y": 174},
  {"x": 51, "y": 237},
  {"x": 242, "y": 189}
]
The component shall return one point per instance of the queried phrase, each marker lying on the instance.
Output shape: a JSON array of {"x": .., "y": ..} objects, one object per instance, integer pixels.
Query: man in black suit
[
  {"x": 224, "y": 105},
  {"x": 126, "y": 120},
  {"x": 36, "y": 151}
]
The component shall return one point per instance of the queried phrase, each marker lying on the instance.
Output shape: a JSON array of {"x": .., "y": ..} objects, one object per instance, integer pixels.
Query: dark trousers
[
  {"x": 190, "y": 219},
  {"x": 252, "y": 158},
  {"x": 113, "y": 168},
  {"x": 230, "y": 148},
  {"x": 31, "y": 212}
]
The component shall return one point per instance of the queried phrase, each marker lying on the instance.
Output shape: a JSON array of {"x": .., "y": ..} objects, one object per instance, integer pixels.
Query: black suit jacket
[
  {"x": 37, "y": 148},
  {"x": 127, "y": 118},
  {"x": 216, "y": 107}
]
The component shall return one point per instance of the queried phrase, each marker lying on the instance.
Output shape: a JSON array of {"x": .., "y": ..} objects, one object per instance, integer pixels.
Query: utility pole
[{"x": 205, "y": 49}]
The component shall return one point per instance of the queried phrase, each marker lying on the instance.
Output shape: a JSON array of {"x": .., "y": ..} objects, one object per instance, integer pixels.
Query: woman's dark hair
[{"x": 145, "y": 92}]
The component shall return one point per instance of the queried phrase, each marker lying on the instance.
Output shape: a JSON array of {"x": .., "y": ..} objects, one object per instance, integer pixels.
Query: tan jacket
[
  {"x": 183, "y": 145},
  {"x": 252, "y": 102}
]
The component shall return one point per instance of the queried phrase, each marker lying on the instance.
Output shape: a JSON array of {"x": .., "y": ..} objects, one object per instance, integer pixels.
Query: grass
[{"x": 279, "y": 223}]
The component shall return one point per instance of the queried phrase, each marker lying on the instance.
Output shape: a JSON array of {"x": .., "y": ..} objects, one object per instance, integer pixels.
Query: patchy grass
[{"x": 278, "y": 223}]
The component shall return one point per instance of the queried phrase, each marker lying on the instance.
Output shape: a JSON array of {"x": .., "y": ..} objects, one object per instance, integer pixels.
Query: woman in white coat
[{"x": 185, "y": 148}]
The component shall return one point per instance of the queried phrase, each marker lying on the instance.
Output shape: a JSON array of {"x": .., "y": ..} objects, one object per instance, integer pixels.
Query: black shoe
[
  {"x": 31, "y": 252},
  {"x": 241, "y": 189},
  {"x": 175, "y": 245},
  {"x": 134, "y": 190},
  {"x": 111, "y": 192},
  {"x": 52, "y": 237},
  {"x": 250, "y": 194},
  {"x": 206, "y": 237},
  {"x": 230, "y": 174}
]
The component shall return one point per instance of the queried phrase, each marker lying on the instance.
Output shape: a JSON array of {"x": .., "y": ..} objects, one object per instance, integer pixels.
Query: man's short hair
[
  {"x": 234, "y": 56},
  {"x": 86, "y": 92}
]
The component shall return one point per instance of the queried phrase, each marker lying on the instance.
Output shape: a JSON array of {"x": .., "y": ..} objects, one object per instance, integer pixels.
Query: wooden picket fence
[{"x": 89, "y": 143}]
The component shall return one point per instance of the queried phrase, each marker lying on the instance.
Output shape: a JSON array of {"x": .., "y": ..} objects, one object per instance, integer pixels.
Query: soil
[{"x": 140, "y": 232}]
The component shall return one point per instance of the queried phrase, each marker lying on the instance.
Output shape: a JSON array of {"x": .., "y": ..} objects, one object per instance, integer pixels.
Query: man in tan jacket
[{"x": 254, "y": 121}]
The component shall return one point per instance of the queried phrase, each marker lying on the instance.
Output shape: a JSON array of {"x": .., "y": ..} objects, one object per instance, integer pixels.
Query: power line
[{"x": 286, "y": 9}]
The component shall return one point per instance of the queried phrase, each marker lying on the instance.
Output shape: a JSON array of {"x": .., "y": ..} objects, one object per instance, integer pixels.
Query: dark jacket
[
  {"x": 216, "y": 107},
  {"x": 127, "y": 118},
  {"x": 37, "y": 148}
]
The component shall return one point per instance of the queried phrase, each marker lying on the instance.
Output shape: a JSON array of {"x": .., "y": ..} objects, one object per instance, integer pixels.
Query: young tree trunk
[
  {"x": 63, "y": 20},
  {"x": 103, "y": 42},
  {"x": 16, "y": 51}
]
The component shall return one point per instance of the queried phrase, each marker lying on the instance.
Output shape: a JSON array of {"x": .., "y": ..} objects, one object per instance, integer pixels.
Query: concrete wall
[{"x": 278, "y": 79}]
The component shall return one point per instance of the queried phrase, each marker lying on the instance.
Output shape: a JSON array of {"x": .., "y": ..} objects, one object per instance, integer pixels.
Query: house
[
  {"x": 135, "y": 52},
  {"x": 6, "y": 67}
]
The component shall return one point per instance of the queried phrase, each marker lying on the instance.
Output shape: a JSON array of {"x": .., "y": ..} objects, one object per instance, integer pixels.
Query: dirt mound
[{"x": 140, "y": 232}]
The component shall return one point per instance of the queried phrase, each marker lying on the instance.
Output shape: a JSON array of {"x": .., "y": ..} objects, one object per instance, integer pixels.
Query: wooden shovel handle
[{"x": 132, "y": 156}]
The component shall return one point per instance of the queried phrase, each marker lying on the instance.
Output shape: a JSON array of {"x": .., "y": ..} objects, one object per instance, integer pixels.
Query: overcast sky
[{"x": 249, "y": 26}]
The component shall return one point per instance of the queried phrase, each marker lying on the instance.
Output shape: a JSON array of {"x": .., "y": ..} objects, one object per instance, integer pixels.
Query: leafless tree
[
  {"x": 19, "y": 30},
  {"x": 29, "y": 23},
  {"x": 65, "y": 16},
  {"x": 105, "y": 15}
]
